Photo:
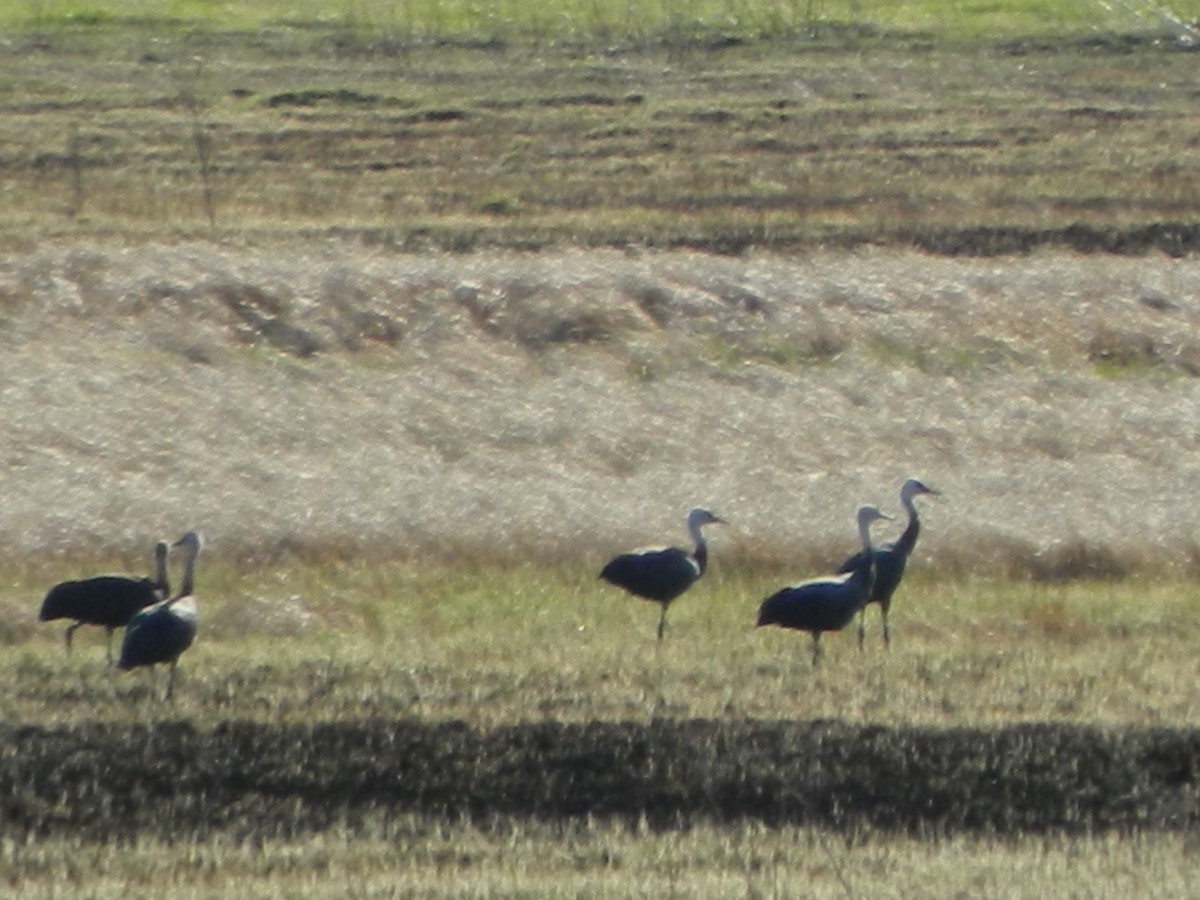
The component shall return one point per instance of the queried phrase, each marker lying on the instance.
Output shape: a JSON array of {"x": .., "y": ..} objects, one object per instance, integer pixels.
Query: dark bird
[
  {"x": 107, "y": 600},
  {"x": 890, "y": 560},
  {"x": 160, "y": 633},
  {"x": 826, "y": 604},
  {"x": 662, "y": 574}
]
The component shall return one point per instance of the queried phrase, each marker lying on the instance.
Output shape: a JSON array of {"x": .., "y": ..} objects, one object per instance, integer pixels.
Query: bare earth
[{"x": 568, "y": 403}]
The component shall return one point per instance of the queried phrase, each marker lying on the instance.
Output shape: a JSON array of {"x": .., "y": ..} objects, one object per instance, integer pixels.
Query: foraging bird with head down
[
  {"x": 106, "y": 600},
  {"x": 160, "y": 633},
  {"x": 891, "y": 560},
  {"x": 826, "y": 604},
  {"x": 662, "y": 574}
]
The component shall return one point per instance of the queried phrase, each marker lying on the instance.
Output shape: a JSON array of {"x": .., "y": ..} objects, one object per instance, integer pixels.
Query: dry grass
[
  {"x": 596, "y": 859},
  {"x": 341, "y": 402}
]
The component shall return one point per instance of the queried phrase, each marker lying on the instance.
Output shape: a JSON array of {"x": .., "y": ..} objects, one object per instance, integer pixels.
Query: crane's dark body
[
  {"x": 818, "y": 611},
  {"x": 826, "y": 604},
  {"x": 891, "y": 561},
  {"x": 662, "y": 575},
  {"x": 159, "y": 636},
  {"x": 109, "y": 601},
  {"x": 658, "y": 575},
  {"x": 811, "y": 607}
]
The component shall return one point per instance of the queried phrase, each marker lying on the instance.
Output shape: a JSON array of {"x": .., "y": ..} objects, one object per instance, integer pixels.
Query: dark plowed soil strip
[
  {"x": 1173, "y": 238},
  {"x": 1176, "y": 239},
  {"x": 112, "y": 781}
]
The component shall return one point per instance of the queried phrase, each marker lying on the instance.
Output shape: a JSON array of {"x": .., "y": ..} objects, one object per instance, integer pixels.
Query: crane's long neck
[
  {"x": 866, "y": 572},
  {"x": 189, "y": 572},
  {"x": 700, "y": 554},
  {"x": 907, "y": 541},
  {"x": 160, "y": 571}
]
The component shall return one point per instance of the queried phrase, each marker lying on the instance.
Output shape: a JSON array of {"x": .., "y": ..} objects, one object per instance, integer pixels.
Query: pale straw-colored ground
[{"x": 574, "y": 403}]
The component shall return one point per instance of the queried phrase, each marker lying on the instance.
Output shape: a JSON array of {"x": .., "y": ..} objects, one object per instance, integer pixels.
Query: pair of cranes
[
  {"x": 822, "y": 604},
  {"x": 158, "y": 626}
]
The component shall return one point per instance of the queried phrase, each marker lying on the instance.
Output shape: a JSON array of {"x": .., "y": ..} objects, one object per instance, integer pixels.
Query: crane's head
[
  {"x": 193, "y": 541},
  {"x": 698, "y": 517},
  {"x": 868, "y": 515},
  {"x": 161, "y": 549},
  {"x": 914, "y": 488}
]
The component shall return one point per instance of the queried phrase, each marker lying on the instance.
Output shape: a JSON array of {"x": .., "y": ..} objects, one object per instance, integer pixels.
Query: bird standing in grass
[
  {"x": 106, "y": 600},
  {"x": 826, "y": 604},
  {"x": 890, "y": 560},
  {"x": 160, "y": 633},
  {"x": 662, "y": 574}
]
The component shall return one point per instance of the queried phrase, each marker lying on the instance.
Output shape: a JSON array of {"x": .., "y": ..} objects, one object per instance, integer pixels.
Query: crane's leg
[
  {"x": 887, "y": 639},
  {"x": 816, "y": 647},
  {"x": 70, "y": 633},
  {"x": 662, "y": 622},
  {"x": 170, "y": 694},
  {"x": 108, "y": 647},
  {"x": 862, "y": 628}
]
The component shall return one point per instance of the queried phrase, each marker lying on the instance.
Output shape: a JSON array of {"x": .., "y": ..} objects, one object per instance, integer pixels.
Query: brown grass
[
  {"x": 341, "y": 402},
  {"x": 600, "y": 860},
  {"x": 837, "y": 136}
]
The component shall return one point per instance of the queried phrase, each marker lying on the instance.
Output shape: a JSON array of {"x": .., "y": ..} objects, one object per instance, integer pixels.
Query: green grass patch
[
  {"x": 979, "y": 354},
  {"x": 679, "y": 22},
  {"x": 681, "y": 25},
  {"x": 334, "y": 641}
]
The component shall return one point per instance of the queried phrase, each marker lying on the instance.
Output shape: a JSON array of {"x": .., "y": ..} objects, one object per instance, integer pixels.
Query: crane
[
  {"x": 662, "y": 574},
  {"x": 160, "y": 633},
  {"x": 826, "y": 604},
  {"x": 891, "y": 559},
  {"x": 106, "y": 600}
]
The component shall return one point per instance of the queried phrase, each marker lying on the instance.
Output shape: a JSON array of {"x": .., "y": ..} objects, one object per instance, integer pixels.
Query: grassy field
[
  {"x": 845, "y": 137},
  {"x": 491, "y": 646},
  {"x": 605, "y": 860},
  {"x": 580, "y": 21},
  {"x": 422, "y": 312}
]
